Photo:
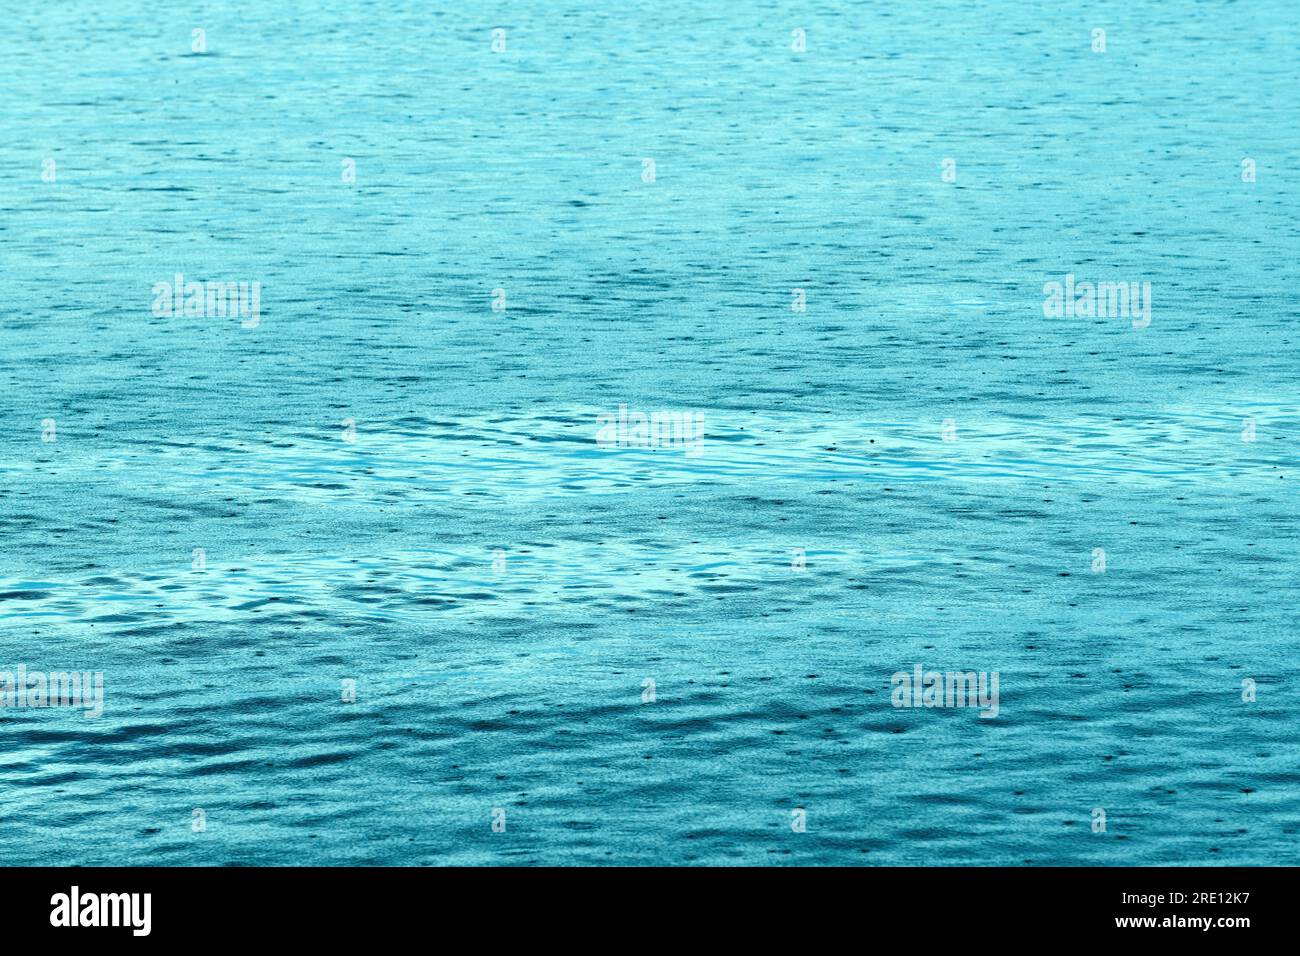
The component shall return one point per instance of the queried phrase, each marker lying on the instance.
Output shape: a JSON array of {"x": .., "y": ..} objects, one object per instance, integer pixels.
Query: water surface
[{"x": 521, "y": 688}]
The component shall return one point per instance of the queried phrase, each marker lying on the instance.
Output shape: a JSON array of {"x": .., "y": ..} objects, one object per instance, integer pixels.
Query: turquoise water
[{"x": 351, "y": 462}]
